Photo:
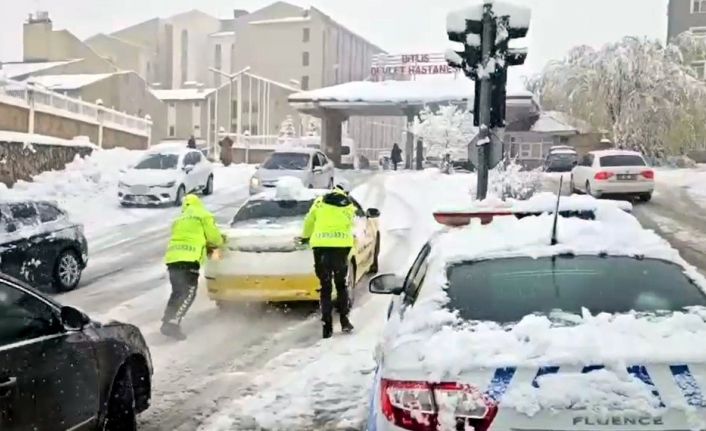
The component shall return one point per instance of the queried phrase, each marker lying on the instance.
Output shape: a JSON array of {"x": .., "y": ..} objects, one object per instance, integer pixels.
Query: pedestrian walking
[
  {"x": 328, "y": 229},
  {"x": 396, "y": 155},
  {"x": 194, "y": 232},
  {"x": 226, "y": 151},
  {"x": 192, "y": 143}
]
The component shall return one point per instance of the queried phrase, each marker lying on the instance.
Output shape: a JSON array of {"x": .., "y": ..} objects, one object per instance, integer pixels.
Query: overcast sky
[{"x": 396, "y": 25}]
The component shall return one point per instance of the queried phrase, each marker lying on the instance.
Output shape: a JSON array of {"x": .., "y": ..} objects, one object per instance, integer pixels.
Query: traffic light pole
[{"x": 484, "y": 108}]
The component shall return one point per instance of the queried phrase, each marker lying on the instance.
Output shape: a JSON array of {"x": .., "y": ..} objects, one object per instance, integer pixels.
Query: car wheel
[
  {"x": 180, "y": 196},
  {"x": 588, "y": 189},
  {"x": 208, "y": 190},
  {"x": 350, "y": 282},
  {"x": 311, "y": 186},
  {"x": 121, "y": 414},
  {"x": 67, "y": 271},
  {"x": 572, "y": 187},
  {"x": 374, "y": 268}
]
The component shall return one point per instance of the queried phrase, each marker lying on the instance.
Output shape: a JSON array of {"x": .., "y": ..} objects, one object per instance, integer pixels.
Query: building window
[
  {"x": 698, "y": 6},
  {"x": 305, "y": 83},
  {"x": 305, "y": 58},
  {"x": 306, "y": 34},
  {"x": 184, "y": 56},
  {"x": 699, "y": 69},
  {"x": 531, "y": 150}
]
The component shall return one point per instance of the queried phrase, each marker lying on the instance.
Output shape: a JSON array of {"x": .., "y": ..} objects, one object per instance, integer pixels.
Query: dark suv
[
  {"x": 61, "y": 371},
  {"x": 41, "y": 245}
]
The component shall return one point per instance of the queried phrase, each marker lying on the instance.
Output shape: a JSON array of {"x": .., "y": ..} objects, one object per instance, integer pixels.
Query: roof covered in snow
[
  {"x": 553, "y": 122},
  {"x": 20, "y": 70},
  {"x": 184, "y": 94},
  {"x": 288, "y": 20},
  {"x": 68, "y": 82}
]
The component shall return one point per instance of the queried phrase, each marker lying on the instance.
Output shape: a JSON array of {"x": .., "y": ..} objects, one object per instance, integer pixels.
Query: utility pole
[{"x": 485, "y": 31}]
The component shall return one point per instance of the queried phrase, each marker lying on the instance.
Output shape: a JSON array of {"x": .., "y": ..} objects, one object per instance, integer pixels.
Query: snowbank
[
  {"x": 87, "y": 190},
  {"x": 693, "y": 181}
]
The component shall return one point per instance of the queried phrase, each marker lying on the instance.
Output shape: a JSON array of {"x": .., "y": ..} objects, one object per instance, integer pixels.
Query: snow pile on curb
[{"x": 692, "y": 180}]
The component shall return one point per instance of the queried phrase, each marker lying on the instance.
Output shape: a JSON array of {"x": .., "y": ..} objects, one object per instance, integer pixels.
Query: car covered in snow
[
  {"x": 41, "y": 245},
  {"x": 262, "y": 261},
  {"x": 561, "y": 159},
  {"x": 613, "y": 172},
  {"x": 59, "y": 370},
  {"x": 164, "y": 175},
  {"x": 520, "y": 323},
  {"x": 310, "y": 165}
]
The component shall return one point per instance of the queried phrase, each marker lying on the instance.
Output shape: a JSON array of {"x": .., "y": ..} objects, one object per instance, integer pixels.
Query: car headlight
[
  {"x": 166, "y": 185},
  {"x": 254, "y": 182}
]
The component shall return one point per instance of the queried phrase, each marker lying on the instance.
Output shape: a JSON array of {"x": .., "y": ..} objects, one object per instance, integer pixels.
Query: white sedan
[
  {"x": 165, "y": 176},
  {"x": 613, "y": 172},
  {"x": 495, "y": 328}
]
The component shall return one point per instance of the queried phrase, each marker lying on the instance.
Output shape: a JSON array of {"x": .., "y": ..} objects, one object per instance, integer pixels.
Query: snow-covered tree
[
  {"x": 287, "y": 129},
  {"x": 642, "y": 93},
  {"x": 448, "y": 129},
  {"x": 314, "y": 127}
]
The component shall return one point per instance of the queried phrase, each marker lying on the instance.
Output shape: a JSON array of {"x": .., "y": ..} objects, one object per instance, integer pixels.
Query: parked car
[
  {"x": 613, "y": 172},
  {"x": 262, "y": 261},
  {"x": 60, "y": 370},
  {"x": 41, "y": 245},
  {"x": 164, "y": 176},
  {"x": 495, "y": 327},
  {"x": 560, "y": 160},
  {"x": 310, "y": 165}
]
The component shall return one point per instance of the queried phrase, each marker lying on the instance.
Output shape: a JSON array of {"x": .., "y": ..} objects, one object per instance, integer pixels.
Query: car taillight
[
  {"x": 602, "y": 176},
  {"x": 423, "y": 406},
  {"x": 649, "y": 174}
]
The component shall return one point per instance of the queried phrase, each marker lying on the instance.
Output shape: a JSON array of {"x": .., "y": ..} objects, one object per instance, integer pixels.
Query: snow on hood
[
  {"x": 269, "y": 234},
  {"x": 148, "y": 177}
]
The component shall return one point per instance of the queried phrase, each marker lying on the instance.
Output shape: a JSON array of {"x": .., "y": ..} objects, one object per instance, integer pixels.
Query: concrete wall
[
  {"x": 185, "y": 123},
  {"x": 156, "y": 35},
  {"x": 22, "y": 163},
  {"x": 681, "y": 19},
  {"x": 198, "y": 26},
  {"x": 227, "y": 63},
  {"x": 42, "y": 43},
  {"x": 125, "y": 55},
  {"x": 16, "y": 119},
  {"x": 256, "y": 156}
]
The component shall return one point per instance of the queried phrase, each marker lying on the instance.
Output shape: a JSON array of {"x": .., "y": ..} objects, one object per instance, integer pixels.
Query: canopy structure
[{"x": 336, "y": 104}]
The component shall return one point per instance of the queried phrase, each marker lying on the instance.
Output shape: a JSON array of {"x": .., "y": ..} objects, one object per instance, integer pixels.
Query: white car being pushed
[
  {"x": 494, "y": 328},
  {"x": 613, "y": 172},
  {"x": 165, "y": 176}
]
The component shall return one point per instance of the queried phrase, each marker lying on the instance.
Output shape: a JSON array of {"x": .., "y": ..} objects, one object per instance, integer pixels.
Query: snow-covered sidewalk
[
  {"x": 87, "y": 190},
  {"x": 327, "y": 385},
  {"x": 692, "y": 180}
]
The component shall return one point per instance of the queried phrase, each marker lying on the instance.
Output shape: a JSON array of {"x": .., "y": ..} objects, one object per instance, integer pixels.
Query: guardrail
[{"x": 43, "y": 99}]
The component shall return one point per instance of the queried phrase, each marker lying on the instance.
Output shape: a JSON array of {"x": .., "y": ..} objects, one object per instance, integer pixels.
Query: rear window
[
  {"x": 272, "y": 209},
  {"x": 621, "y": 160},
  {"x": 159, "y": 161},
  {"x": 287, "y": 161},
  {"x": 506, "y": 290},
  {"x": 562, "y": 158}
]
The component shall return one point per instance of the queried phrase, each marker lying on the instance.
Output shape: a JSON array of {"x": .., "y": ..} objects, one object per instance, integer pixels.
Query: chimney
[{"x": 37, "y": 38}]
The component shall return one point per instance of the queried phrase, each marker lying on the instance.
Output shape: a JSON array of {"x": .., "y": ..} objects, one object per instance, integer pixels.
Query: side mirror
[
  {"x": 73, "y": 319},
  {"x": 373, "y": 213},
  {"x": 386, "y": 284}
]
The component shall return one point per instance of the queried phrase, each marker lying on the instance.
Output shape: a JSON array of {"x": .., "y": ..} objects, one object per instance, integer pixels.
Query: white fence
[{"x": 40, "y": 99}]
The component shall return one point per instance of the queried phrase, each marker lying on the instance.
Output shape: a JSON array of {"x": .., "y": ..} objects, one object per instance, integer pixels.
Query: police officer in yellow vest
[
  {"x": 328, "y": 228},
  {"x": 193, "y": 233}
]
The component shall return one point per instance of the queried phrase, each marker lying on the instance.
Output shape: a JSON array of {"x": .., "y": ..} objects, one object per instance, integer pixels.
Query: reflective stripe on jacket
[
  {"x": 193, "y": 231},
  {"x": 329, "y": 222}
]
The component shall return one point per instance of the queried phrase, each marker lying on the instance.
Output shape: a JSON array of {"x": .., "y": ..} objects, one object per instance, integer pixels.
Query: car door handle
[{"x": 7, "y": 386}]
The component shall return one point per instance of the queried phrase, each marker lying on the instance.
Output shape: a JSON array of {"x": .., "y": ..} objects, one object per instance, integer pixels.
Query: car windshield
[
  {"x": 562, "y": 159},
  {"x": 159, "y": 161},
  {"x": 622, "y": 160},
  {"x": 287, "y": 161},
  {"x": 271, "y": 209},
  {"x": 506, "y": 290}
]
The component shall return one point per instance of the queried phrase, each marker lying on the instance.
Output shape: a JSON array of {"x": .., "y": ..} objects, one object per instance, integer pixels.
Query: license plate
[
  {"x": 141, "y": 200},
  {"x": 627, "y": 177},
  {"x": 139, "y": 190}
]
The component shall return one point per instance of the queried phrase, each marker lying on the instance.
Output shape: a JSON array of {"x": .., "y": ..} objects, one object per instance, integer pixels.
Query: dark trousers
[
  {"x": 394, "y": 164},
  {"x": 331, "y": 266},
  {"x": 184, "y": 278}
]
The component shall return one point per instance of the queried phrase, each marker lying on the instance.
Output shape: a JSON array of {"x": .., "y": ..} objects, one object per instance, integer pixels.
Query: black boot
[
  {"x": 346, "y": 325},
  {"x": 327, "y": 330},
  {"x": 172, "y": 330}
]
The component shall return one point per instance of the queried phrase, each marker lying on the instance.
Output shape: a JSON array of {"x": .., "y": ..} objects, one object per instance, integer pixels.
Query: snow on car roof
[
  {"x": 289, "y": 189},
  {"x": 428, "y": 328},
  {"x": 615, "y": 152},
  {"x": 296, "y": 149},
  {"x": 562, "y": 151}
]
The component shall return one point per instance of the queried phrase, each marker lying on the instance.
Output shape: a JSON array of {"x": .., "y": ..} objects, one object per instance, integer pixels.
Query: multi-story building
[{"x": 688, "y": 15}]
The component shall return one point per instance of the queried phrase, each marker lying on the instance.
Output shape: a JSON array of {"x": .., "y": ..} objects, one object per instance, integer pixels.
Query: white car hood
[
  {"x": 149, "y": 177},
  {"x": 270, "y": 175}
]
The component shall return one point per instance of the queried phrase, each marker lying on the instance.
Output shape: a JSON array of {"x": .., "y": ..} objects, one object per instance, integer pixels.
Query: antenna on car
[{"x": 556, "y": 211}]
